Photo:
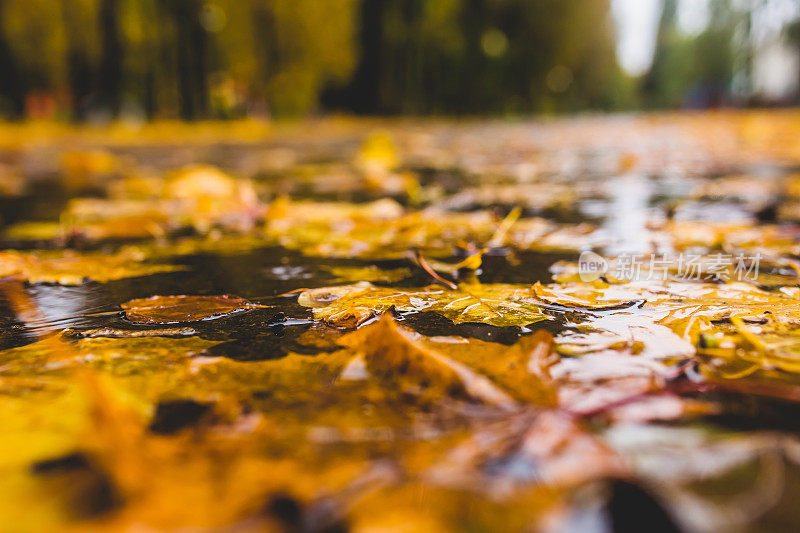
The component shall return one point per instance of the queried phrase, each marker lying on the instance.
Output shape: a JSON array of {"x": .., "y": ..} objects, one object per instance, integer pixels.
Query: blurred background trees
[
  {"x": 190, "y": 58},
  {"x": 472, "y": 56},
  {"x": 140, "y": 59},
  {"x": 697, "y": 70}
]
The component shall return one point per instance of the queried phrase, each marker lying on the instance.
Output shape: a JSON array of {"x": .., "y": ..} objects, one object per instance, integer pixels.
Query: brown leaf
[
  {"x": 182, "y": 308},
  {"x": 393, "y": 353},
  {"x": 522, "y": 369},
  {"x": 349, "y": 306},
  {"x": 527, "y": 367}
]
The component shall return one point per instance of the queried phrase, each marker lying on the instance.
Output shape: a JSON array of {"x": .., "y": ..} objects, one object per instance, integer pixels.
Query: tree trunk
[
  {"x": 12, "y": 85},
  {"x": 110, "y": 76}
]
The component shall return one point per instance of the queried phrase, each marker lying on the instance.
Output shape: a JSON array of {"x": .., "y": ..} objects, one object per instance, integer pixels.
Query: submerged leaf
[
  {"x": 130, "y": 333},
  {"x": 182, "y": 308},
  {"x": 369, "y": 273}
]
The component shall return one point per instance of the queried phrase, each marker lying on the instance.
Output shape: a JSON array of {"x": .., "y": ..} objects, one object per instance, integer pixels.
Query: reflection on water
[
  {"x": 61, "y": 307},
  {"x": 628, "y": 213}
]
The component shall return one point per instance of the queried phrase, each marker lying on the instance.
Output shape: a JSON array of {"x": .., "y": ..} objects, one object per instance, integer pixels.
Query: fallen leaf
[
  {"x": 393, "y": 354},
  {"x": 72, "y": 268},
  {"x": 522, "y": 369},
  {"x": 182, "y": 308},
  {"x": 498, "y": 305}
]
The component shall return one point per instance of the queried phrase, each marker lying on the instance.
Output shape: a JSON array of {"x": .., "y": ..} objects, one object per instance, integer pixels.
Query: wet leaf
[
  {"x": 136, "y": 354},
  {"x": 498, "y": 305},
  {"x": 73, "y": 268},
  {"x": 392, "y": 353},
  {"x": 382, "y": 230},
  {"x": 131, "y": 333},
  {"x": 522, "y": 369},
  {"x": 182, "y": 308}
]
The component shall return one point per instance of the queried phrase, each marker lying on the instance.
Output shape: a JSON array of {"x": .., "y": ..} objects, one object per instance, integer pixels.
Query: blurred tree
[
  {"x": 110, "y": 74},
  {"x": 466, "y": 56},
  {"x": 190, "y": 45},
  {"x": 694, "y": 70},
  {"x": 792, "y": 35},
  {"x": 12, "y": 87},
  {"x": 201, "y": 58},
  {"x": 81, "y": 48},
  {"x": 147, "y": 82},
  {"x": 299, "y": 45},
  {"x": 714, "y": 65},
  {"x": 34, "y": 32},
  {"x": 165, "y": 55},
  {"x": 658, "y": 84},
  {"x": 364, "y": 92}
]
